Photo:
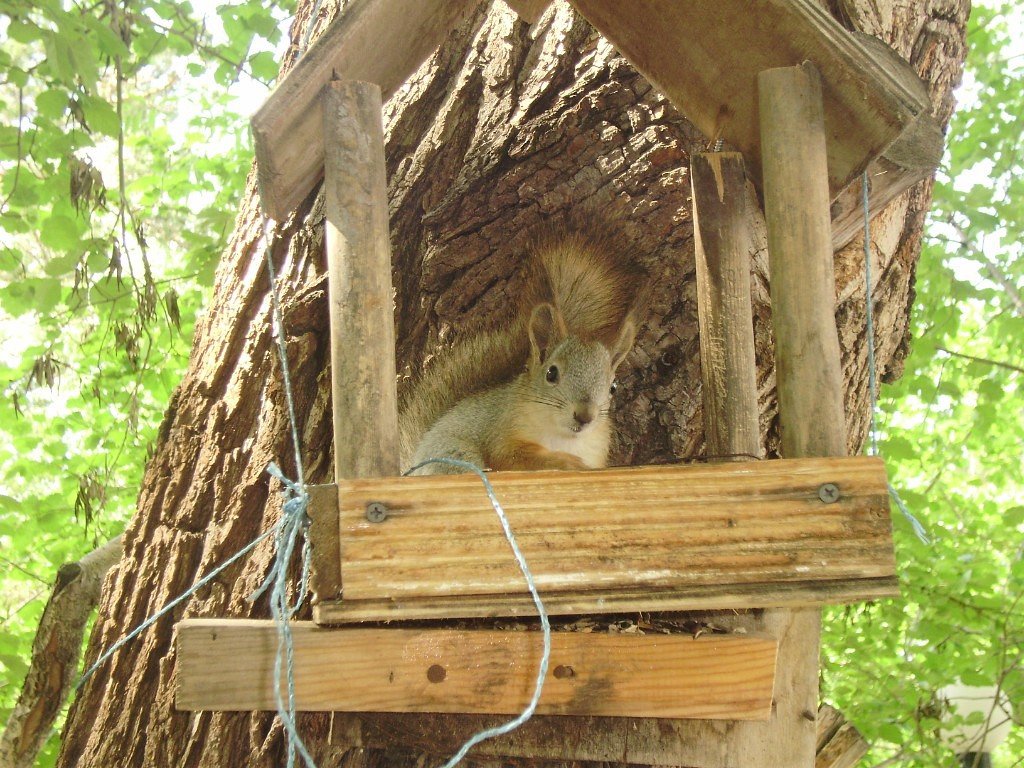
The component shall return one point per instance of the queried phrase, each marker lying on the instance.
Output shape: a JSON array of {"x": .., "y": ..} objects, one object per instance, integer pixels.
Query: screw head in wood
[
  {"x": 829, "y": 493},
  {"x": 376, "y": 512}
]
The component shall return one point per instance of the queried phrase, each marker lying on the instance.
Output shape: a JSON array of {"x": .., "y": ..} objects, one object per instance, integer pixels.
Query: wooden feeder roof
[{"x": 704, "y": 56}]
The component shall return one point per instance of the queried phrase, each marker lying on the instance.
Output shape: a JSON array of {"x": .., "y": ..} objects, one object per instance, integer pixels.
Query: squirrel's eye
[
  {"x": 551, "y": 376},
  {"x": 613, "y": 387}
]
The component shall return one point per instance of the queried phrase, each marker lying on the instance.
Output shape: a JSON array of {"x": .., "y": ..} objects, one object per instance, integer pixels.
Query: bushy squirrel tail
[{"x": 587, "y": 274}]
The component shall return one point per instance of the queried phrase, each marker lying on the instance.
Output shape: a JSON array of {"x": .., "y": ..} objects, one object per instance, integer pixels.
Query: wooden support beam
[
  {"x": 705, "y": 56},
  {"x": 379, "y": 41},
  {"x": 748, "y": 534},
  {"x": 807, "y": 362},
  {"x": 731, "y": 413},
  {"x": 229, "y": 665},
  {"x": 809, "y": 380},
  {"x": 698, "y": 597},
  {"x": 364, "y": 395},
  {"x": 839, "y": 743},
  {"x": 722, "y": 246},
  {"x": 360, "y": 296}
]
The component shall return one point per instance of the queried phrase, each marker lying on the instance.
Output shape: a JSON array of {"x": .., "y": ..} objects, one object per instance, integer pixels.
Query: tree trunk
[{"x": 507, "y": 126}]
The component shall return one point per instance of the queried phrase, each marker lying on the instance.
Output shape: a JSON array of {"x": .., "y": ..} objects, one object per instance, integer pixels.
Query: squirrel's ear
[
  {"x": 546, "y": 329},
  {"x": 627, "y": 334}
]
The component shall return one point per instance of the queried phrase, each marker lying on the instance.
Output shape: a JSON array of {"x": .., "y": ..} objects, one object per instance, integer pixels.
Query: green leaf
[
  {"x": 101, "y": 116},
  {"x": 52, "y": 103},
  {"x": 60, "y": 232},
  {"x": 264, "y": 66}
]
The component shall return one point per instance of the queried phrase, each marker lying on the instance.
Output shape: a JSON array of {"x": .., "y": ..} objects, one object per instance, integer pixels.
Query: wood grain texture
[
  {"x": 364, "y": 395},
  {"x": 839, "y": 743},
  {"x": 637, "y": 529},
  {"x": 700, "y": 597},
  {"x": 705, "y": 56},
  {"x": 721, "y": 227},
  {"x": 325, "y": 574},
  {"x": 379, "y": 41},
  {"x": 722, "y": 246},
  {"x": 229, "y": 665},
  {"x": 808, "y": 372},
  {"x": 808, "y": 368}
]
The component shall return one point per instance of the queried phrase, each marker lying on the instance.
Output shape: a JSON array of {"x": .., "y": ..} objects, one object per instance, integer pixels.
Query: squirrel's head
[{"x": 571, "y": 380}]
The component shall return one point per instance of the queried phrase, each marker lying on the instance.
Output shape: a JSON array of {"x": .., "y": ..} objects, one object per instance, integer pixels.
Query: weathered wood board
[
  {"x": 229, "y": 665},
  {"x": 705, "y": 57},
  {"x": 378, "y": 41},
  {"x": 618, "y": 539}
]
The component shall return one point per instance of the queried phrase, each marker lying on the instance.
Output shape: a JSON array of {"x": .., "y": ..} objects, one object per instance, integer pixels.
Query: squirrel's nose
[{"x": 583, "y": 415}]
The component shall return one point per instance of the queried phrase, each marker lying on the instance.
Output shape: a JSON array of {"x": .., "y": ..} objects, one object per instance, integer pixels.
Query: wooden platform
[
  {"x": 229, "y": 665},
  {"x": 738, "y": 535},
  {"x": 704, "y": 55}
]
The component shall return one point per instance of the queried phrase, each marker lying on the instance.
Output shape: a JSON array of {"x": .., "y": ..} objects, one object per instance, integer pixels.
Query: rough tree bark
[{"x": 506, "y": 126}]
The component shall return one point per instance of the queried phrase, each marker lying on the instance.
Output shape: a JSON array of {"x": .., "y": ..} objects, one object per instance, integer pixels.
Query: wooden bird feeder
[{"x": 810, "y": 106}]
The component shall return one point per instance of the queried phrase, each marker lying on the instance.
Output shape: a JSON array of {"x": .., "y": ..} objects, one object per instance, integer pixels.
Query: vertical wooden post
[
  {"x": 796, "y": 202},
  {"x": 363, "y": 383},
  {"x": 731, "y": 427},
  {"x": 807, "y": 366},
  {"x": 722, "y": 244},
  {"x": 365, "y": 400}
]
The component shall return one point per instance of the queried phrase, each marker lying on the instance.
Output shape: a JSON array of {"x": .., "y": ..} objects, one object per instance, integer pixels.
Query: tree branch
[
  {"x": 55, "y": 652},
  {"x": 986, "y": 361}
]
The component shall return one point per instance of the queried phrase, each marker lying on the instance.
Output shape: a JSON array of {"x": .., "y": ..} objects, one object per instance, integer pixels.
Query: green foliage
[
  {"x": 953, "y": 435},
  {"x": 123, "y": 154}
]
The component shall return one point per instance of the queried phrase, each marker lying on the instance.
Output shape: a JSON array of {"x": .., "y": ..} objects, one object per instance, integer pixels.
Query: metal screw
[
  {"x": 376, "y": 512},
  {"x": 829, "y": 493}
]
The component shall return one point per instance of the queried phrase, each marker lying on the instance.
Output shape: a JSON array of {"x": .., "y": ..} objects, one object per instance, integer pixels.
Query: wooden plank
[
  {"x": 360, "y": 300},
  {"x": 361, "y": 303},
  {"x": 796, "y": 206},
  {"x": 364, "y": 395},
  {"x": 325, "y": 574},
  {"x": 731, "y": 412},
  {"x": 228, "y": 665},
  {"x": 722, "y": 248},
  {"x": 701, "y": 597},
  {"x": 839, "y": 743},
  {"x": 808, "y": 375},
  {"x": 645, "y": 528},
  {"x": 705, "y": 57},
  {"x": 379, "y": 41}
]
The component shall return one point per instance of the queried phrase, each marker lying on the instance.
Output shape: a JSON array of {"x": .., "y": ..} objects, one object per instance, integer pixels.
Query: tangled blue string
[
  {"x": 295, "y": 525},
  {"x": 545, "y": 659},
  {"x": 872, "y": 374}
]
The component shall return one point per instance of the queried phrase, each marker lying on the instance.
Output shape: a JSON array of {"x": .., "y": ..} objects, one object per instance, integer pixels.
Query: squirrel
[{"x": 534, "y": 393}]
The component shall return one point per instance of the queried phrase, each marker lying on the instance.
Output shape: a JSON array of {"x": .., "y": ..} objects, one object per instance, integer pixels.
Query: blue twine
[
  {"x": 173, "y": 604},
  {"x": 545, "y": 659},
  {"x": 295, "y": 523},
  {"x": 919, "y": 529}
]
